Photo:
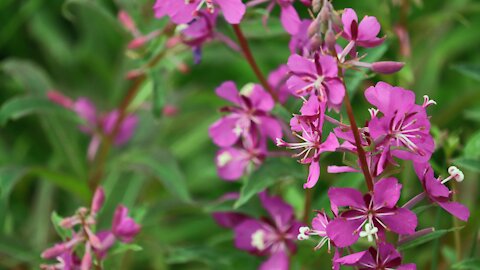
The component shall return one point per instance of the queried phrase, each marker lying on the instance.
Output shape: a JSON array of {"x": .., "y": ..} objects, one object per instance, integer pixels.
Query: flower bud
[
  {"x": 316, "y": 5},
  {"x": 330, "y": 40},
  {"x": 60, "y": 99},
  {"x": 127, "y": 21},
  {"x": 387, "y": 67},
  {"x": 137, "y": 42},
  {"x": 54, "y": 251},
  {"x": 97, "y": 201},
  {"x": 313, "y": 28}
]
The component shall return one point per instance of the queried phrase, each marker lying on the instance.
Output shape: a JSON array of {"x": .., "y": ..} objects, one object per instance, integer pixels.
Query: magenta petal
[
  {"x": 346, "y": 197},
  {"x": 403, "y": 221},
  {"x": 386, "y": 192},
  {"x": 228, "y": 90},
  {"x": 348, "y": 17},
  {"x": 340, "y": 169},
  {"x": 329, "y": 66},
  {"x": 290, "y": 19},
  {"x": 330, "y": 144},
  {"x": 123, "y": 226},
  {"x": 388, "y": 98},
  {"x": 277, "y": 261},
  {"x": 244, "y": 232},
  {"x": 126, "y": 129},
  {"x": 457, "y": 209},
  {"x": 281, "y": 212},
  {"x": 298, "y": 64},
  {"x": 260, "y": 98},
  {"x": 271, "y": 127},
  {"x": 352, "y": 259},
  {"x": 233, "y": 10},
  {"x": 229, "y": 219},
  {"x": 222, "y": 132},
  {"x": 231, "y": 163},
  {"x": 336, "y": 90},
  {"x": 342, "y": 232},
  {"x": 313, "y": 175},
  {"x": 86, "y": 110},
  {"x": 409, "y": 266},
  {"x": 368, "y": 28}
]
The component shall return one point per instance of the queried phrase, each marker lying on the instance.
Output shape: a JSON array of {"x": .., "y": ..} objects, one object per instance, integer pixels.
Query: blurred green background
[{"x": 166, "y": 173}]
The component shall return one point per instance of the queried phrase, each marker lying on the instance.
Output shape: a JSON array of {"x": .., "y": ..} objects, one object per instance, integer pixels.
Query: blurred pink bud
[
  {"x": 69, "y": 222},
  {"x": 387, "y": 67},
  {"x": 54, "y": 251},
  {"x": 93, "y": 239},
  {"x": 183, "y": 68},
  {"x": 127, "y": 21},
  {"x": 124, "y": 227},
  {"x": 97, "y": 201},
  {"x": 60, "y": 99},
  {"x": 404, "y": 39},
  {"x": 313, "y": 28},
  {"x": 330, "y": 40},
  {"x": 170, "y": 110},
  {"x": 138, "y": 42}
]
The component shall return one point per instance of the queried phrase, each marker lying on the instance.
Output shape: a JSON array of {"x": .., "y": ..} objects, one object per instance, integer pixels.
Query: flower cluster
[
  {"x": 81, "y": 236},
  {"x": 96, "y": 124},
  {"x": 242, "y": 133}
]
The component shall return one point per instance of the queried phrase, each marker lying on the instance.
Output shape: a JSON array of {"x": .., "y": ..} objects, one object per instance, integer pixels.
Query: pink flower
[
  {"x": 404, "y": 129},
  {"x": 309, "y": 127},
  {"x": 363, "y": 34},
  {"x": 376, "y": 211},
  {"x": 233, "y": 162},
  {"x": 300, "y": 41},
  {"x": 438, "y": 193},
  {"x": 184, "y": 11},
  {"x": 288, "y": 15},
  {"x": 249, "y": 115},
  {"x": 384, "y": 257},
  {"x": 318, "y": 76},
  {"x": 273, "y": 237},
  {"x": 123, "y": 226}
]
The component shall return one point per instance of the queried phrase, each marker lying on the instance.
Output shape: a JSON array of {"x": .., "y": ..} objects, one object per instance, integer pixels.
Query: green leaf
[
  {"x": 121, "y": 248},
  {"x": 472, "y": 147},
  {"x": 66, "y": 182},
  {"x": 163, "y": 167},
  {"x": 470, "y": 70},
  {"x": 9, "y": 176},
  {"x": 19, "y": 107},
  {"x": 271, "y": 172},
  {"x": 31, "y": 77},
  {"x": 468, "y": 163},
  {"x": 469, "y": 264},
  {"x": 426, "y": 238},
  {"x": 158, "y": 94},
  {"x": 203, "y": 254},
  {"x": 62, "y": 232}
]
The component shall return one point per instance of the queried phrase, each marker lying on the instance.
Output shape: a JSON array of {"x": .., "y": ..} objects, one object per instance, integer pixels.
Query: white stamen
[
  {"x": 373, "y": 112},
  {"x": 258, "y": 240},
  {"x": 455, "y": 173},
  {"x": 247, "y": 89},
  {"x": 427, "y": 101},
  {"x": 238, "y": 130},
  {"x": 303, "y": 233}
]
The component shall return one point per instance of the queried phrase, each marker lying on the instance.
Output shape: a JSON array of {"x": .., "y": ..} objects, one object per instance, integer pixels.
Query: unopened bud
[
  {"x": 316, "y": 5},
  {"x": 330, "y": 40},
  {"x": 60, "y": 99},
  {"x": 313, "y": 28},
  {"x": 316, "y": 42},
  {"x": 387, "y": 67},
  {"x": 138, "y": 42},
  {"x": 97, "y": 201},
  {"x": 54, "y": 251},
  {"x": 127, "y": 21}
]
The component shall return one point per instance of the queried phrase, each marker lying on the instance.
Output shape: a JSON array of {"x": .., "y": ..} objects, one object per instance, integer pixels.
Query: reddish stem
[{"x": 251, "y": 60}]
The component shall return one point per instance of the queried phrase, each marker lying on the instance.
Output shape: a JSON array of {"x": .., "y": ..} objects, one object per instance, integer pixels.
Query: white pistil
[
  {"x": 370, "y": 232},
  {"x": 224, "y": 158},
  {"x": 303, "y": 233},
  {"x": 455, "y": 173},
  {"x": 258, "y": 240},
  {"x": 427, "y": 101}
]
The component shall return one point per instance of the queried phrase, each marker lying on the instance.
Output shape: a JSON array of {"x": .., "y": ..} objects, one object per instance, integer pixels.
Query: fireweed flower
[
  {"x": 273, "y": 237},
  {"x": 233, "y": 162},
  {"x": 251, "y": 112},
  {"x": 300, "y": 42},
  {"x": 96, "y": 245},
  {"x": 198, "y": 31},
  {"x": 184, "y": 11},
  {"x": 96, "y": 124},
  {"x": 437, "y": 192},
  {"x": 377, "y": 210},
  {"x": 404, "y": 128},
  {"x": 384, "y": 257},
  {"x": 308, "y": 128},
  {"x": 362, "y": 34},
  {"x": 317, "y": 76}
]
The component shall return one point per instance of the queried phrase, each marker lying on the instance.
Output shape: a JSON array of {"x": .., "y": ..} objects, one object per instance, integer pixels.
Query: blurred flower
[
  {"x": 273, "y": 237},
  {"x": 123, "y": 226},
  {"x": 363, "y": 34},
  {"x": 377, "y": 209},
  {"x": 288, "y": 15},
  {"x": 184, "y": 11},
  {"x": 277, "y": 80}
]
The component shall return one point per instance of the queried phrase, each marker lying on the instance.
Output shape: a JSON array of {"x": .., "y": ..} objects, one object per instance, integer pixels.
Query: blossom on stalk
[
  {"x": 308, "y": 128},
  {"x": 81, "y": 228},
  {"x": 363, "y": 34},
  {"x": 377, "y": 209},
  {"x": 384, "y": 257},
  {"x": 97, "y": 124},
  {"x": 277, "y": 80},
  {"x": 438, "y": 193},
  {"x": 288, "y": 15},
  {"x": 404, "y": 129},
  {"x": 317, "y": 76},
  {"x": 233, "y": 162},
  {"x": 184, "y": 11},
  {"x": 249, "y": 115},
  {"x": 273, "y": 237}
]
